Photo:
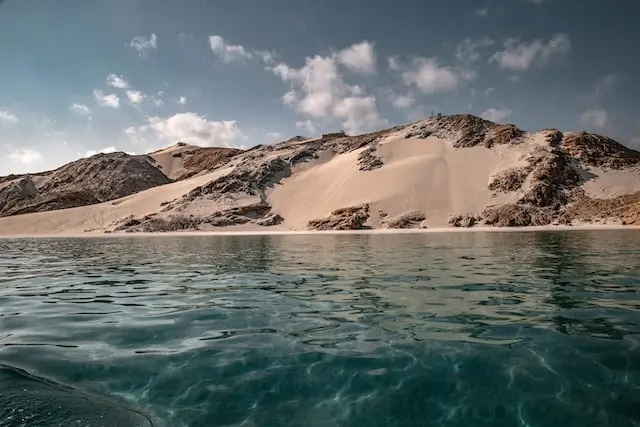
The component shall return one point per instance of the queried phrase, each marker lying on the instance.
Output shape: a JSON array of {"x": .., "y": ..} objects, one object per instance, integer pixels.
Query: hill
[{"x": 457, "y": 171}]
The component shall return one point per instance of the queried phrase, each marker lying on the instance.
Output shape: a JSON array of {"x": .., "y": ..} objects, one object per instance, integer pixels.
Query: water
[{"x": 463, "y": 329}]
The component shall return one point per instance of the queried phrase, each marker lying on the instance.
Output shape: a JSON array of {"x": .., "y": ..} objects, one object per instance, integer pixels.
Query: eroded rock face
[
  {"x": 368, "y": 160},
  {"x": 86, "y": 181},
  {"x": 351, "y": 218},
  {"x": 551, "y": 178},
  {"x": 465, "y": 221},
  {"x": 509, "y": 180},
  {"x": 623, "y": 209},
  {"x": 599, "y": 151},
  {"x": 411, "y": 219},
  {"x": 467, "y": 130},
  {"x": 512, "y": 215}
]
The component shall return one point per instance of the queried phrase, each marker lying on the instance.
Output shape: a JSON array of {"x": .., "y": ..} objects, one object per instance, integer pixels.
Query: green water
[{"x": 463, "y": 329}]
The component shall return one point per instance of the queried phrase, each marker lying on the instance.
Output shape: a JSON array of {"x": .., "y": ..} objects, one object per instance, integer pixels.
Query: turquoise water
[{"x": 462, "y": 329}]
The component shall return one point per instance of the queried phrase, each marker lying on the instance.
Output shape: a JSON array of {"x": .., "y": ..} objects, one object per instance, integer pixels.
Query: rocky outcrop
[
  {"x": 368, "y": 160},
  {"x": 514, "y": 215},
  {"x": 87, "y": 181},
  {"x": 509, "y": 180},
  {"x": 256, "y": 213},
  {"x": 466, "y": 130},
  {"x": 465, "y": 221},
  {"x": 203, "y": 159},
  {"x": 624, "y": 209},
  {"x": 410, "y": 219},
  {"x": 351, "y": 218},
  {"x": 551, "y": 178},
  {"x": 599, "y": 151}
]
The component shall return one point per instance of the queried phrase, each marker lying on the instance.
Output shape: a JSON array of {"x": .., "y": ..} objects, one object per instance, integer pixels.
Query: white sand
[
  {"x": 609, "y": 183},
  {"x": 98, "y": 217},
  {"x": 169, "y": 162},
  {"x": 425, "y": 175}
]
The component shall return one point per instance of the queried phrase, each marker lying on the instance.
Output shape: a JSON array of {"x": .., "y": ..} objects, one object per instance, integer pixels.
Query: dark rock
[
  {"x": 407, "y": 220},
  {"x": 466, "y": 220},
  {"x": 351, "y": 218}
]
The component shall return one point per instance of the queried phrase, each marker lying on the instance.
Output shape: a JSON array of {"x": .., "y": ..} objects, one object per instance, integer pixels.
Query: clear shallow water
[{"x": 465, "y": 329}]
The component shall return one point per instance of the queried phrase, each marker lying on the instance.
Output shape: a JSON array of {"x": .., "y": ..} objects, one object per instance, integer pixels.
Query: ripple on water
[{"x": 482, "y": 329}]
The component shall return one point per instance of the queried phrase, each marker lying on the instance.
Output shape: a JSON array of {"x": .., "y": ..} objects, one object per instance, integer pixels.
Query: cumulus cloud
[
  {"x": 135, "y": 97},
  {"x": 274, "y": 136},
  {"x": 195, "y": 129},
  {"x": 182, "y": 100},
  {"x": 144, "y": 44},
  {"x": 26, "y": 156},
  {"x": 496, "y": 115},
  {"x": 106, "y": 100},
  {"x": 81, "y": 109},
  {"x": 117, "y": 81},
  {"x": 428, "y": 76},
  {"x": 319, "y": 90},
  {"x": 521, "y": 56},
  {"x": 403, "y": 100},
  {"x": 595, "y": 117},
  {"x": 359, "y": 57},
  {"x": 7, "y": 116},
  {"x": 358, "y": 113},
  {"x": 470, "y": 50},
  {"x": 308, "y": 127},
  {"x": 228, "y": 53},
  {"x": 105, "y": 150}
]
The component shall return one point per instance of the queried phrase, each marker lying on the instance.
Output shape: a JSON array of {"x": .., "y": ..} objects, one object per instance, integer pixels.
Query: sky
[{"x": 79, "y": 77}]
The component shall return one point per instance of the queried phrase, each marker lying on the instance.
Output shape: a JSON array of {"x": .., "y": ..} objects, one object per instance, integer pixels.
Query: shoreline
[{"x": 379, "y": 231}]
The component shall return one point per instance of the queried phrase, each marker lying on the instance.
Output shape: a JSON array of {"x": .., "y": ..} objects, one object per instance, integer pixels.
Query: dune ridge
[{"x": 441, "y": 172}]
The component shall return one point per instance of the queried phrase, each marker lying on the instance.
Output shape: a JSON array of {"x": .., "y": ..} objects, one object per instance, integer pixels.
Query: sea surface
[{"x": 529, "y": 329}]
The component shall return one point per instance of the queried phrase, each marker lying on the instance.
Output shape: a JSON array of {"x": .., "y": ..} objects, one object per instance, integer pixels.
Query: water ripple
[{"x": 361, "y": 330}]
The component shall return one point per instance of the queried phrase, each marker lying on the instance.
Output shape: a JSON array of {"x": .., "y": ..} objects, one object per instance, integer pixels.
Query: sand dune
[{"x": 425, "y": 174}]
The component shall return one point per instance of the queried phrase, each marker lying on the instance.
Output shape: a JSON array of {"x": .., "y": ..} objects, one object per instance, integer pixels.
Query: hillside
[{"x": 444, "y": 171}]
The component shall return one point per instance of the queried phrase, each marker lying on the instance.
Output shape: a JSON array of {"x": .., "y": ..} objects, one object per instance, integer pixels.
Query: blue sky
[{"x": 81, "y": 76}]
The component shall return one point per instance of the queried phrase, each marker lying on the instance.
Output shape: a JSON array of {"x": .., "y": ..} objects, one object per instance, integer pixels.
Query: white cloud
[
  {"x": 481, "y": 12},
  {"x": 274, "y": 135},
  {"x": 319, "y": 91},
  {"x": 308, "y": 126},
  {"x": 106, "y": 100},
  {"x": 403, "y": 101},
  {"x": 117, "y": 81},
  {"x": 430, "y": 77},
  {"x": 359, "y": 113},
  {"x": 520, "y": 56},
  {"x": 228, "y": 53},
  {"x": 469, "y": 50},
  {"x": 80, "y": 109},
  {"x": 393, "y": 63},
  {"x": 144, "y": 44},
  {"x": 359, "y": 57},
  {"x": 195, "y": 129},
  {"x": 595, "y": 117},
  {"x": 496, "y": 115},
  {"x": 135, "y": 96},
  {"x": 8, "y": 117},
  {"x": 106, "y": 150},
  {"x": 26, "y": 156},
  {"x": 182, "y": 100}
]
